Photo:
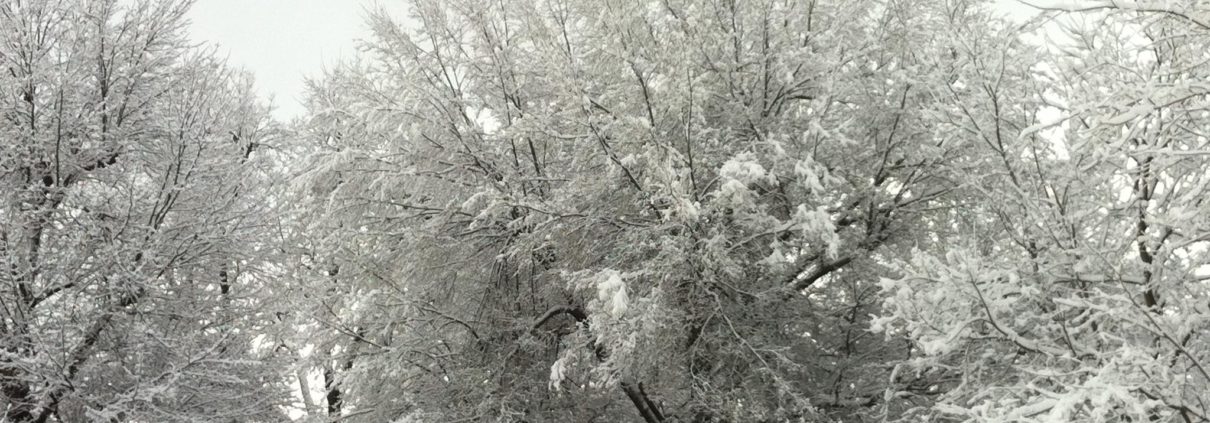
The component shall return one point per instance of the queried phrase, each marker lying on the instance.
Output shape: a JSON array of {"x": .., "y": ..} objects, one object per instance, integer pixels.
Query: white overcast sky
[{"x": 283, "y": 41}]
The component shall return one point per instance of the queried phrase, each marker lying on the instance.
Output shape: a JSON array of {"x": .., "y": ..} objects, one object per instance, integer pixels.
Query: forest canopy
[{"x": 618, "y": 210}]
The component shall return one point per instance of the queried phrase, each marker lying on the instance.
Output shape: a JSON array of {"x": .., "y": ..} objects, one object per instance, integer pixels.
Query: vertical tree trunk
[{"x": 334, "y": 395}]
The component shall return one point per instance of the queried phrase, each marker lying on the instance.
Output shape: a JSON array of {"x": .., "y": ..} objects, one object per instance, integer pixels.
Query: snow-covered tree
[
  {"x": 1074, "y": 287},
  {"x": 132, "y": 220},
  {"x": 648, "y": 211}
]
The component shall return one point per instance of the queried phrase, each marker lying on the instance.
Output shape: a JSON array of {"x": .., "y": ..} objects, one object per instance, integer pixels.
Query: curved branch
[{"x": 575, "y": 312}]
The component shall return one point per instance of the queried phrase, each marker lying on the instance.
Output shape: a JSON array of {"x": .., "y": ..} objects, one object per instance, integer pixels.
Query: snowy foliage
[
  {"x": 579, "y": 209},
  {"x": 1073, "y": 289},
  {"x": 650, "y": 211},
  {"x": 133, "y": 221}
]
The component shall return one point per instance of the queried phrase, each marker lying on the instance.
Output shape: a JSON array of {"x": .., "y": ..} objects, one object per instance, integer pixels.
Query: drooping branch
[{"x": 634, "y": 391}]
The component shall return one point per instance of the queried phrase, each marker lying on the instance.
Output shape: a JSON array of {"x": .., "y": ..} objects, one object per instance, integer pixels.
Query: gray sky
[
  {"x": 1016, "y": 10},
  {"x": 283, "y": 41}
]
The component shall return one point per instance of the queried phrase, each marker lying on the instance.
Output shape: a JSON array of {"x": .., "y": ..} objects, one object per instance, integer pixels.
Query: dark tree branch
[{"x": 575, "y": 312}]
